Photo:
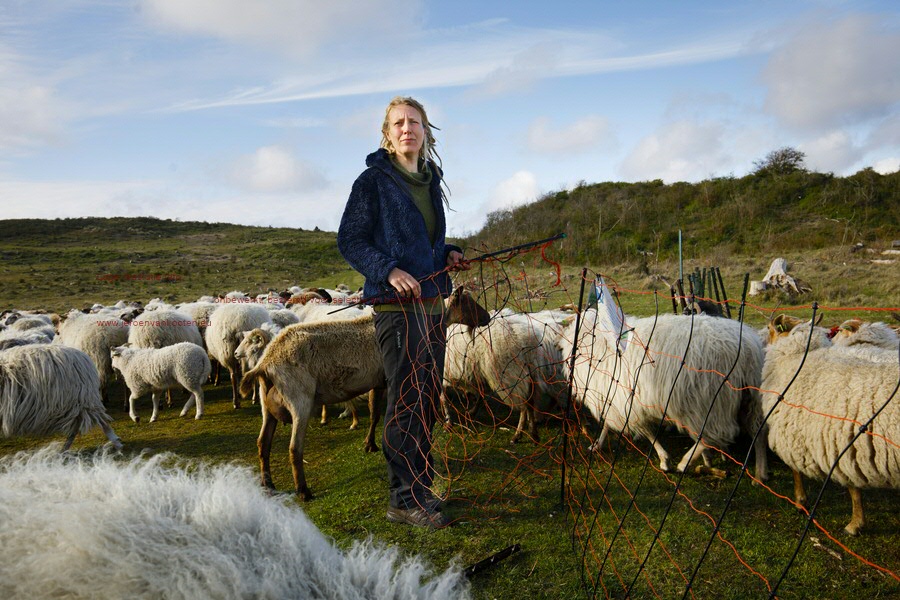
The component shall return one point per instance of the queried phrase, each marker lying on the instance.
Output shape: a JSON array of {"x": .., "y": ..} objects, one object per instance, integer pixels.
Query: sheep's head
[
  {"x": 782, "y": 325},
  {"x": 252, "y": 345},
  {"x": 462, "y": 308}
]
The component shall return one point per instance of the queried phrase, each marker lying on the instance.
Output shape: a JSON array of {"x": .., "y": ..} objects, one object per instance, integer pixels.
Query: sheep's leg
[
  {"x": 324, "y": 420},
  {"x": 663, "y": 455},
  {"x": 70, "y": 439},
  {"x": 760, "y": 448},
  {"x": 217, "y": 370},
  {"x": 131, "y": 411},
  {"x": 354, "y": 423},
  {"x": 691, "y": 457},
  {"x": 445, "y": 405},
  {"x": 523, "y": 417},
  {"x": 858, "y": 520},
  {"x": 532, "y": 424},
  {"x": 375, "y": 397},
  {"x": 235, "y": 380},
  {"x": 196, "y": 396},
  {"x": 799, "y": 491},
  {"x": 597, "y": 446},
  {"x": 155, "y": 415},
  {"x": 169, "y": 398},
  {"x": 298, "y": 437},
  {"x": 111, "y": 435},
  {"x": 264, "y": 443}
]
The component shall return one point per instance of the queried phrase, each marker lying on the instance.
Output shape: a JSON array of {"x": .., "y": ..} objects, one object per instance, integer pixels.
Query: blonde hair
[{"x": 427, "y": 151}]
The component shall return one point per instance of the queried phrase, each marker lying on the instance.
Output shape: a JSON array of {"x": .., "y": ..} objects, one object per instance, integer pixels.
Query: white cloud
[
  {"x": 517, "y": 190},
  {"x": 490, "y": 57},
  {"x": 834, "y": 152},
  {"x": 886, "y": 166},
  {"x": 31, "y": 112},
  {"x": 679, "y": 151},
  {"x": 297, "y": 28},
  {"x": 580, "y": 136},
  {"x": 274, "y": 169},
  {"x": 835, "y": 74}
]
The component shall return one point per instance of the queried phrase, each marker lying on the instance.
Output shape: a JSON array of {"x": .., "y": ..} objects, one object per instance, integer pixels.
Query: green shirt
[{"x": 419, "y": 186}]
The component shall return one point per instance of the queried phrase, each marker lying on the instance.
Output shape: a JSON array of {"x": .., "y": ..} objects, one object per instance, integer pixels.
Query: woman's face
[{"x": 406, "y": 130}]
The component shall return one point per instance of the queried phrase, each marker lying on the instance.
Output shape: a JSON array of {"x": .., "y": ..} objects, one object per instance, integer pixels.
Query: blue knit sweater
[{"x": 382, "y": 228}]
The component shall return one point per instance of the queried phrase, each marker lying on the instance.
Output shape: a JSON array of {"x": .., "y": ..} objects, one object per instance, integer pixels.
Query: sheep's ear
[
  {"x": 116, "y": 351},
  {"x": 819, "y": 320},
  {"x": 851, "y": 325}
]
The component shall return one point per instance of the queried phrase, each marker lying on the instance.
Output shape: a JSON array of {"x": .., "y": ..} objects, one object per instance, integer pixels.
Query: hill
[
  {"x": 64, "y": 263},
  {"x": 764, "y": 213},
  {"x": 628, "y": 230}
]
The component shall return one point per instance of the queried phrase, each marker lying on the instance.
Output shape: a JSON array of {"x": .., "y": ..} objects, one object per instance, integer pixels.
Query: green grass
[{"x": 502, "y": 494}]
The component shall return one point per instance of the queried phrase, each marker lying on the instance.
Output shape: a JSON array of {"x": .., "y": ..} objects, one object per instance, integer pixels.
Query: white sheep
[
  {"x": 39, "y": 335},
  {"x": 46, "y": 389},
  {"x": 201, "y": 312},
  {"x": 875, "y": 341},
  {"x": 635, "y": 390},
  {"x": 829, "y": 398},
  {"x": 151, "y": 370},
  {"x": 504, "y": 358},
  {"x": 163, "y": 327},
  {"x": 85, "y": 527},
  {"x": 223, "y": 337},
  {"x": 327, "y": 362},
  {"x": 95, "y": 335},
  {"x": 284, "y": 317}
]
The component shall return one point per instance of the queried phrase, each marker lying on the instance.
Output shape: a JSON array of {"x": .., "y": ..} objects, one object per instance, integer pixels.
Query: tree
[{"x": 783, "y": 161}]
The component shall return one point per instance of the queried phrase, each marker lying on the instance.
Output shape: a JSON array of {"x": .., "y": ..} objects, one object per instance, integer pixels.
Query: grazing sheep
[
  {"x": 46, "y": 389},
  {"x": 85, "y": 527},
  {"x": 156, "y": 369},
  {"x": 95, "y": 335},
  {"x": 635, "y": 390},
  {"x": 223, "y": 337},
  {"x": 327, "y": 362},
  {"x": 830, "y": 397}
]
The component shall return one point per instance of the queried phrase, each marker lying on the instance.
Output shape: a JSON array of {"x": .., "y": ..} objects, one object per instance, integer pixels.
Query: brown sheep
[{"x": 325, "y": 362}]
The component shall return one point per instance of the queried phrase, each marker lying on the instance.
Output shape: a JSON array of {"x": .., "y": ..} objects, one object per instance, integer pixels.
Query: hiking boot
[{"x": 419, "y": 517}]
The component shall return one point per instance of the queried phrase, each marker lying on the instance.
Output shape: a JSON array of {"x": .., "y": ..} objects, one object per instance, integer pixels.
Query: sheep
[
  {"x": 47, "y": 389},
  {"x": 84, "y": 527},
  {"x": 95, "y": 335},
  {"x": 222, "y": 337},
  {"x": 504, "y": 357},
  {"x": 284, "y": 317},
  {"x": 327, "y": 362},
  {"x": 635, "y": 389},
  {"x": 163, "y": 327},
  {"x": 201, "y": 312},
  {"x": 156, "y": 369},
  {"x": 831, "y": 396},
  {"x": 250, "y": 350},
  {"x": 39, "y": 335},
  {"x": 872, "y": 341}
]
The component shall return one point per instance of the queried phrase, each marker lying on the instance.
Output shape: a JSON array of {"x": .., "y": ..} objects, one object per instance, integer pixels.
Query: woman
[{"x": 392, "y": 232}]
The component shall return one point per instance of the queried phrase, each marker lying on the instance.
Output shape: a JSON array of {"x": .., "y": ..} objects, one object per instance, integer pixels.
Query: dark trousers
[{"x": 413, "y": 347}]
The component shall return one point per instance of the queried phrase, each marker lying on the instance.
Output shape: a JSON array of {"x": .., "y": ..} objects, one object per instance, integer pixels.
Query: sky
[{"x": 261, "y": 112}]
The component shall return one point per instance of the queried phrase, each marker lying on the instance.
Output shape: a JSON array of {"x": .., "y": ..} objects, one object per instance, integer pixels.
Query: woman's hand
[
  {"x": 455, "y": 261},
  {"x": 405, "y": 284}
]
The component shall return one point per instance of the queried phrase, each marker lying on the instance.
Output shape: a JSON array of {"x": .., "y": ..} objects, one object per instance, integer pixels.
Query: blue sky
[{"x": 261, "y": 112}]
